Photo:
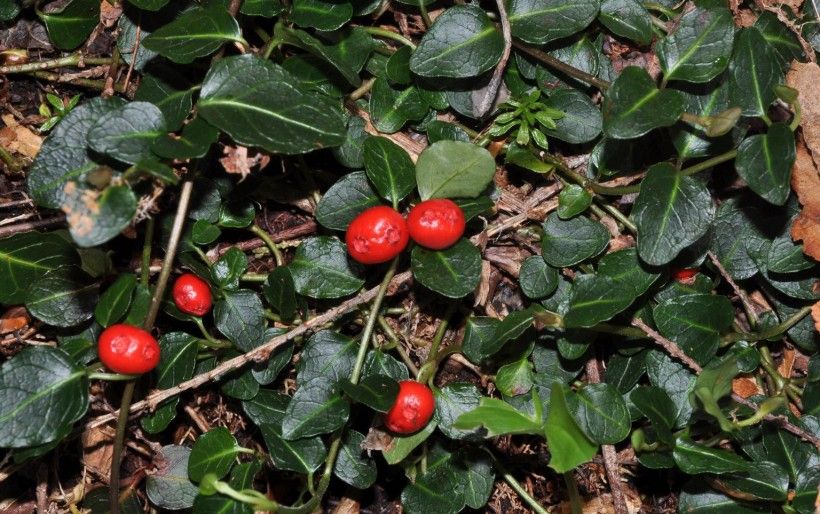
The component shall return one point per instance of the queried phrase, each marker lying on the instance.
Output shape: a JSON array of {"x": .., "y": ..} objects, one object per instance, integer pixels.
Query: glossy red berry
[
  {"x": 412, "y": 409},
  {"x": 128, "y": 349},
  {"x": 376, "y": 235},
  {"x": 192, "y": 295},
  {"x": 684, "y": 274},
  {"x": 436, "y": 224}
]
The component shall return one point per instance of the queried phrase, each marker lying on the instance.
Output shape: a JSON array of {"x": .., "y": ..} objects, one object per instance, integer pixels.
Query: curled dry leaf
[
  {"x": 19, "y": 139},
  {"x": 806, "y": 183},
  {"x": 14, "y": 319},
  {"x": 804, "y": 77}
]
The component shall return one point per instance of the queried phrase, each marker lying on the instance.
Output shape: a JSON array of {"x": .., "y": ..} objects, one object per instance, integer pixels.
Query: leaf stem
[
  {"x": 708, "y": 163},
  {"x": 389, "y": 34},
  {"x": 769, "y": 333},
  {"x": 70, "y": 60},
  {"x": 574, "y": 496},
  {"x": 119, "y": 437},
  {"x": 111, "y": 377},
  {"x": 561, "y": 66},
  {"x": 264, "y": 236},
  {"x": 145, "y": 271},
  {"x": 428, "y": 370},
  {"x": 516, "y": 485}
]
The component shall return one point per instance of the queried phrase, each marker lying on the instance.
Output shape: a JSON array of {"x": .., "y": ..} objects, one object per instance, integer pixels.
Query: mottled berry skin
[
  {"x": 436, "y": 224},
  {"x": 128, "y": 349},
  {"x": 684, "y": 274},
  {"x": 412, "y": 409},
  {"x": 192, "y": 295},
  {"x": 376, "y": 235}
]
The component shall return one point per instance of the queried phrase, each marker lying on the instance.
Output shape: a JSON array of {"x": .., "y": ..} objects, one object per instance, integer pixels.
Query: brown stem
[
  {"x": 31, "y": 225},
  {"x": 561, "y": 66}
]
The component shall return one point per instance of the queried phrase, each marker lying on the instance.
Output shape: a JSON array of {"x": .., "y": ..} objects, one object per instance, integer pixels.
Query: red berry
[
  {"x": 436, "y": 224},
  {"x": 376, "y": 235},
  {"x": 684, "y": 274},
  {"x": 412, "y": 409},
  {"x": 128, "y": 349},
  {"x": 192, "y": 295}
]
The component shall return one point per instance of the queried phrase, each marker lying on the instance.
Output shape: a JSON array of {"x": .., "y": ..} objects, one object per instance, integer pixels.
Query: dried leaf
[
  {"x": 745, "y": 387},
  {"x": 14, "y": 319},
  {"x": 804, "y": 77},
  {"x": 19, "y": 139},
  {"x": 806, "y": 183},
  {"x": 815, "y": 315},
  {"x": 98, "y": 450},
  {"x": 237, "y": 161}
]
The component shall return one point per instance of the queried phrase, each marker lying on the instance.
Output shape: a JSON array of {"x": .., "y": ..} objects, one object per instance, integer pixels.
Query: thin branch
[
  {"x": 561, "y": 66},
  {"x": 744, "y": 298},
  {"x": 491, "y": 91},
  {"x": 28, "y": 226}
]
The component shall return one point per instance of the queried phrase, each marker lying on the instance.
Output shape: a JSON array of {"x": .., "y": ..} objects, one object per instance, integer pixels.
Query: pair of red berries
[
  {"x": 380, "y": 233},
  {"x": 131, "y": 350}
]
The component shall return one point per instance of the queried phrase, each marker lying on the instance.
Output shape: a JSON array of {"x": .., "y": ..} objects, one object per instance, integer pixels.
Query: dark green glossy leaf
[
  {"x": 177, "y": 360},
  {"x": 96, "y": 217},
  {"x": 498, "y": 418},
  {"x": 568, "y": 242},
  {"x": 196, "y": 33},
  {"x": 239, "y": 315},
  {"x": 700, "y": 46},
  {"x": 452, "y": 401},
  {"x": 69, "y": 26},
  {"x": 350, "y": 152},
  {"x": 316, "y": 408},
  {"x": 345, "y": 200},
  {"x": 781, "y": 39},
  {"x": 785, "y": 256},
  {"x": 582, "y": 120},
  {"x": 378, "y": 362},
  {"x": 541, "y": 21},
  {"x": 672, "y": 212},
  {"x": 655, "y": 404},
  {"x": 353, "y": 466},
  {"x": 170, "y": 92},
  {"x": 695, "y": 458},
  {"x": 537, "y": 280},
  {"x": 265, "y": 8},
  {"x": 63, "y": 297},
  {"x": 376, "y": 391},
  {"x": 258, "y": 103},
  {"x": 596, "y": 298},
  {"x": 391, "y": 108},
  {"x": 633, "y": 105},
  {"x": 302, "y": 456},
  {"x": 463, "y": 42},
  {"x": 403, "y": 445},
  {"x": 280, "y": 293},
  {"x": 762, "y": 481},
  {"x": 627, "y": 18},
  {"x": 389, "y": 168},
  {"x": 114, "y": 302},
  {"x": 327, "y": 354},
  {"x": 691, "y": 140},
  {"x": 675, "y": 379},
  {"x": 26, "y": 257},
  {"x": 753, "y": 73},
  {"x": 169, "y": 487},
  {"x": 194, "y": 141},
  {"x": 569, "y": 446},
  {"x": 321, "y": 269},
  {"x": 226, "y": 271},
  {"x": 213, "y": 452},
  {"x": 765, "y": 161},
  {"x": 448, "y": 169},
  {"x": 515, "y": 378},
  {"x": 695, "y": 323},
  {"x": 323, "y": 15},
  {"x": 601, "y": 413},
  {"x": 127, "y": 133},
  {"x": 267, "y": 407},
  {"x": 572, "y": 201},
  {"x": 628, "y": 271},
  {"x": 42, "y": 393},
  {"x": 347, "y": 56},
  {"x": 454, "y": 272}
]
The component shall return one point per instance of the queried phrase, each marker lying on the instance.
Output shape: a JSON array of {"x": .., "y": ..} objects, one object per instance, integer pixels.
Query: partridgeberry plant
[{"x": 315, "y": 255}]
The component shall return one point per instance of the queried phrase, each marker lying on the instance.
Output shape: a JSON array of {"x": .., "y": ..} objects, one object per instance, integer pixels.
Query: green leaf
[
  {"x": 114, "y": 302},
  {"x": 25, "y": 257},
  {"x": 127, "y": 133},
  {"x": 627, "y": 18},
  {"x": 782, "y": 40},
  {"x": 765, "y": 161},
  {"x": 316, "y": 408},
  {"x": 697, "y": 497},
  {"x": 170, "y": 92},
  {"x": 628, "y": 271},
  {"x": 440, "y": 130},
  {"x": 542, "y": 21},
  {"x": 625, "y": 370},
  {"x": 753, "y": 73},
  {"x": 691, "y": 140},
  {"x": 196, "y": 33},
  {"x": 347, "y": 57},
  {"x": 401, "y": 446},
  {"x": 9, "y": 9},
  {"x": 301, "y": 456},
  {"x": 717, "y": 376},
  {"x": 785, "y": 256},
  {"x": 258, "y": 103},
  {"x": 280, "y": 293},
  {"x": 634, "y": 106},
  {"x": 391, "y": 108},
  {"x": 454, "y": 272},
  {"x": 479, "y": 333},
  {"x": 762, "y": 481},
  {"x": 568, "y": 445},
  {"x": 227, "y": 271},
  {"x": 194, "y": 142},
  {"x": 655, "y": 404},
  {"x": 498, "y": 418},
  {"x": 176, "y": 365},
  {"x": 203, "y": 233},
  {"x": 149, "y": 5},
  {"x": 463, "y": 42},
  {"x": 64, "y": 297},
  {"x": 242, "y": 477},
  {"x": 572, "y": 201},
  {"x": 515, "y": 378},
  {"x": 537, "y": 280},
  {"x": 453, "y": 400},
  {"x": 169, "y": 487},
  {"x": 323, "y": 15},
  {"x": 128, "y": 40},
  {"x": 213, "y": 452},
  {"x": 350, "y": 153},
  {"x": 675, "y": 379},
  {"x": 694, "y": 458},
  {"x": 672, "y": 211},
  {"x": 378, "y": 362},
  {"x": 448, "y": 169},
  {"x": 353, "y": 466},
  {"x": 376, "y": 391},
  {"x": 97, "y": 217},
  {"x": 700, "y": 46},
  {"x": 240, "y": 384},
  {"x": 509, "y": 329},
  {"x": 327, "y": 354},
  {"x": 42, "y": 393},
  {"x": 601, "y": 413},
  {"x": 389, "y": 167},
  {"x": 582, "y": 120},
  {"x": 694, "y": 323},
  {"x": 321, "y": 269},
  {"x": 240, "y": 316},
  {"x": 264, "y": 8},
  {"x": 596, "y": 298},
  {"x": 525, "y": 158},
  {"x": 568, "y": 242},
  {"x": 266, "y": 372},
  {"x": 346, "y": 199},
  {"x": 63, "y": 155},
  {"x": 397, "y": 68},
  {"x": 69, "y": 26},
  {"x": 266, "y": 407}
]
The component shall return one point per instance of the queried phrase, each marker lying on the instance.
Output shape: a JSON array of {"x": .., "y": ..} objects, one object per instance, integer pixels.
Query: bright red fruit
[
  {"x": 128, "y": 349},
  {"x": 683, "y": 274},
  {"x": 436, "y": 224},
  {"x": 192, "y": 295},
  {"x": 376, "y": 235},
  {"x": 412, "y": 409}
]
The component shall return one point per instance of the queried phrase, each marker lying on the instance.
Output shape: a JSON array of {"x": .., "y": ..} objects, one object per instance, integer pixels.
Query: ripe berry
[
  {"x": 376, "y": 235},
  {"x": 436, "y": 224},
  {"x": 412, "y": 409},
  {"x": 192, "y": 295},
  {"x": 684, "y": 274},
  {"x": 128, "y": 349}
]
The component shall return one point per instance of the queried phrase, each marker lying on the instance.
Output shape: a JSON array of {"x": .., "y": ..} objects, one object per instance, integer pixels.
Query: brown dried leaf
[
  {"x": 237, "y": 161},
  {"x": 14, "y": 319},
  {"x": 347, "y": 506},
  {"x": 98, "y": 450},
  {"x": 804, "y": 77},
  {"x": 19, "y": 139},
  {"x": 745, "y": 387},
  {"x": 806, "y": 183},
  {"x": 815, "y": 315}
]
